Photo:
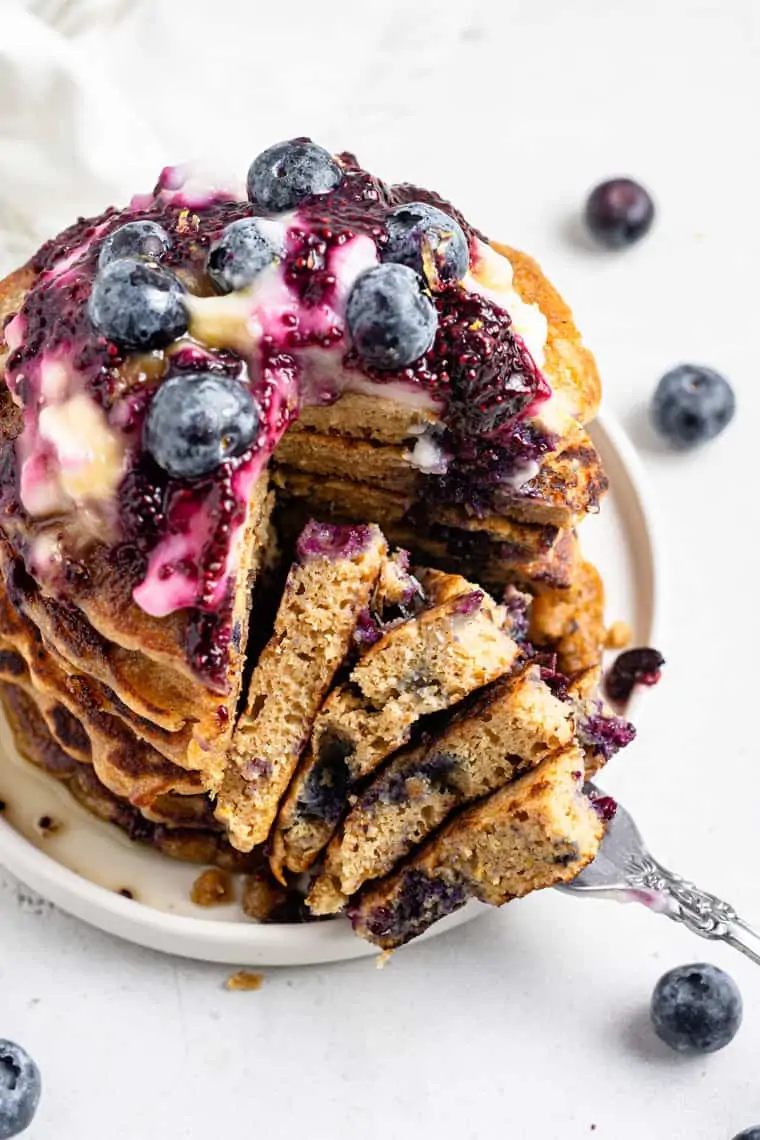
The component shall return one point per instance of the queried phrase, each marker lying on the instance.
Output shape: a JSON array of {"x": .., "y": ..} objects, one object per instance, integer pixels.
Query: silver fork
[{"x": 625, "y": 870}]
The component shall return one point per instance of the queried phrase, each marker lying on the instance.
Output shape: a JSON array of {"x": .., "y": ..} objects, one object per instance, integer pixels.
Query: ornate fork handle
[{"x": 702, "y": 913}]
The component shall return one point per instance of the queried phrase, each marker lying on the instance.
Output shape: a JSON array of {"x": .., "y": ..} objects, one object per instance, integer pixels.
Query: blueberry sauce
[
  {"x": 328, "y": 540},
  {"x": 478, "y": 375},
  {"x": 641, "y": 666},
  {"x": 482, "y": 467},
  {"x": 604, "y": 806},
  {"x": 605, "y": 734}
]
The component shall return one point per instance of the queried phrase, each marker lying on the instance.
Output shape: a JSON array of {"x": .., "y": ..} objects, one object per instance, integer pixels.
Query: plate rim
[
  {"x": 224, "y": 942},
  {"x": 610, "y": 427}
]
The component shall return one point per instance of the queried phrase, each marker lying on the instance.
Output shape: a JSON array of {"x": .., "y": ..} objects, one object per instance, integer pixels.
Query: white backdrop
[{"x": 529, "y": 1023}]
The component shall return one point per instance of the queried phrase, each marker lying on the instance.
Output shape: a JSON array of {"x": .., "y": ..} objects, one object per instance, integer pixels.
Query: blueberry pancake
[
  {"x": 184, "y": 830},
  {"x": 425, "y": 665},
  {"x": 328, "y": 589},
  {"x": 502, "y": 732},
  {"x": 221, "y": 408},
  {"x": 535, "y": 833},
  {"x": 506, "y": 729}
]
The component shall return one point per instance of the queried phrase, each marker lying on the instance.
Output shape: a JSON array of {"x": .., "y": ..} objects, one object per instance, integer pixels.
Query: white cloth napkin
[
  {"x": 96, "y": 96},
  {"x": 69, "y": 142}
]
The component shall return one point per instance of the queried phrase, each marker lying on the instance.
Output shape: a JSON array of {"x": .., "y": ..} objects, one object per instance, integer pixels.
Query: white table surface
[{"x": 530, "y": 1023}]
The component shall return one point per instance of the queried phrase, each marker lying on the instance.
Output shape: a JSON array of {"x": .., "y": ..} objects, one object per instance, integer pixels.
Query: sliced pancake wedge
[
  {"x": 421, "y": 667},
  {"x": 502, "y": 731},
  {"x": 537, "y": 832},
  {"x": 327, "y": 590}
]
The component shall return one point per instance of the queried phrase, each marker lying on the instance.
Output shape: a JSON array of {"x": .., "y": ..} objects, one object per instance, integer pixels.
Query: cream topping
[
  {"x": 491, "y": 274},
  {"x": 89, "y": 454},
  {"x": 427, "y": 455}
]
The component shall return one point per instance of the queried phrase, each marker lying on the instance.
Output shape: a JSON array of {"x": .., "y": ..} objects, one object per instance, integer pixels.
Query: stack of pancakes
[
  {"x": 106, "y": 698},
  {"x": 356, "y": 459}
]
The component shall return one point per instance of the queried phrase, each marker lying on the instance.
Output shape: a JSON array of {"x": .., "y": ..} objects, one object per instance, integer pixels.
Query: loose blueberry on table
[
  {"x": 20, "y": 1089},
  {"x": 749, "y": 1134},
  {"x": 691, "y": 405},
  {"x": 696, "y": 1009},
  {"x": 619, "y": 212}
]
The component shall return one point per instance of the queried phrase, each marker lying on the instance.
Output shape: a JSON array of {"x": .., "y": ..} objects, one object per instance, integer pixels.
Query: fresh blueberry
[
  {"x": 429, "y": 241},
  {"x": 696, "y": 1009},
  {"x": 20, "y": 1089},
  {"x": 138, "y": 305},
  {"x": 198, "y": 420},
  {"x": 619, "y": 212},
  {"x": 692, "y": 405},
  {"x": 390, "y": 317},
  {"x": 288, "y": 172},
  {"x": 749, "y": 1134},
  {"x": 243, "y": 250},
  {"x": 135, "y": 239}
]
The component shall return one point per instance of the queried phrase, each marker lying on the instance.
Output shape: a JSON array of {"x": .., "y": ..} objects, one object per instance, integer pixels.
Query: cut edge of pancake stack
[
  {"x": 369, "y": 454},
  {"x": 412, "y": 721}
]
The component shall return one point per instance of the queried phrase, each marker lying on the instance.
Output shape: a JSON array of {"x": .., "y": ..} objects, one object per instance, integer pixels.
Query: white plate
[{"x": 84, "y": 863}]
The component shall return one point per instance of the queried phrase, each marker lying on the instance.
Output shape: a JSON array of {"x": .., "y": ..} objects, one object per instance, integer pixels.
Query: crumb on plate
[
  {"x": 261, "y": 896},
  {"x": 212, "y": 888},
  {"x": 244, "y": 980},
  {"x": 618, "y": 636}
]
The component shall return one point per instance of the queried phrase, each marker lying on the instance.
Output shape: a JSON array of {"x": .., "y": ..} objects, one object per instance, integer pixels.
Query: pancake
[
  {"x": 174, "y": 836},
  {"x": 176, "y": 422},
  {"x": 532, "y": 834},
  {"x": 326, "y": 591},
  {"x": 505, "y": 729}
]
